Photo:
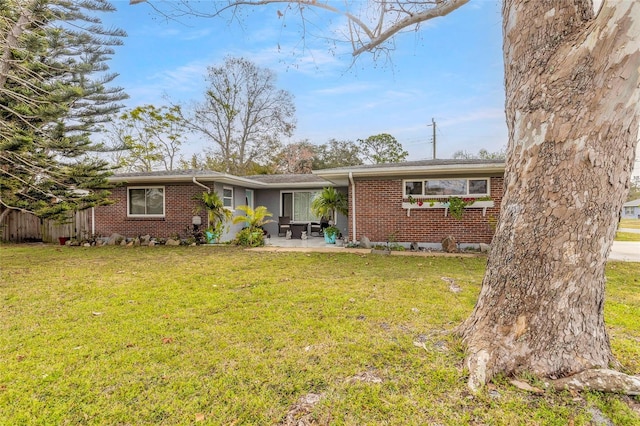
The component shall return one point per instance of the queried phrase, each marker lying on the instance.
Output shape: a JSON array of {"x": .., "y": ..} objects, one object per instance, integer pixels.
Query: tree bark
[
  {"x": 12, "y": 40},
  {"x": 573, "y": 101}
]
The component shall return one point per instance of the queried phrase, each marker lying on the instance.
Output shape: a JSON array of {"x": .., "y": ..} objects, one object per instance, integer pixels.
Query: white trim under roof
[
  {"x": 340, "y": 176},
  {"x": 187, "y": 178}
]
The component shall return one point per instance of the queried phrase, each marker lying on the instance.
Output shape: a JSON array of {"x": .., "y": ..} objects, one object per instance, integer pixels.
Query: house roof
[
  {"x": 175, "y": 176},
  {"x": 632, "y": 203},
  {"x": 340, "y": 175},
  {"x": 291, "y": 180},
  {"x": 320, "y": 178},
  {"x": 208, "y": 176}
]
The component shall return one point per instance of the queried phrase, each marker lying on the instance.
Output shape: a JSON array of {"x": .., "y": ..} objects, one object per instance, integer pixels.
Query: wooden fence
[{"x": 21, "y": 227}]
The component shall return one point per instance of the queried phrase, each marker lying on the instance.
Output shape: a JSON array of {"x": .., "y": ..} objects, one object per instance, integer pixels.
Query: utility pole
[{"x": 433, "y": 124}]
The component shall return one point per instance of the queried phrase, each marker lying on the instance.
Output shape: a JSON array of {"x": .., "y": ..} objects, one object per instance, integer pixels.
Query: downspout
[
  {"x": 353, "y": 206},
  {"x": 93, "y": 221},
  {"x": 199, "y": 184}
]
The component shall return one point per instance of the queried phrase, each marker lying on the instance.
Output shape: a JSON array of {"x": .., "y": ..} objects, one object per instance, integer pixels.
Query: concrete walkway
[
  {"x": 626, "y": 251},
  {"x": 631, "y": 230}
]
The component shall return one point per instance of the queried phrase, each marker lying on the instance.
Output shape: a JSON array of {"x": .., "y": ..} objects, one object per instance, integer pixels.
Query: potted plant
[
  {"x": 330, "y": 234},
  {"x": 217, "y": 215},
  {"x": 328, "y": 203}
]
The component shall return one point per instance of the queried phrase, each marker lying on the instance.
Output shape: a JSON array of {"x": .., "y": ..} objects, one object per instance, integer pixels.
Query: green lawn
[
  {"x": 221, "y": 336},
  {"x": 629, "y": 223},
  {"x": 628, "y": 236}
]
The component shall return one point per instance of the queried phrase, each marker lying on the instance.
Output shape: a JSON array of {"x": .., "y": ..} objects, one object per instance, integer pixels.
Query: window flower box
[{"x": 430, "y": 204}]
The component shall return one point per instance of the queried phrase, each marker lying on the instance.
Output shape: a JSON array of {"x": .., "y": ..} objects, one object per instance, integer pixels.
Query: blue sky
[{"x": 451, "y": 70}]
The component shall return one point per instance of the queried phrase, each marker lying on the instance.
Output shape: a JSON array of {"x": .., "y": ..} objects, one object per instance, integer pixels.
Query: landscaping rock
[
  {"x": 115, "y": 239},
  {"x": 300, "y": 414},
  {"x": 485, "y": 248},
  {"x": 365, "y": 242},
  {"x": 145, "y": 239},
  {"x": 449, "y": 244},
  {"x": 172, "y": 242}
]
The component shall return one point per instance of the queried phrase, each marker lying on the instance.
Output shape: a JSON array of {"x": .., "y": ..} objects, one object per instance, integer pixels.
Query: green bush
[{"x": 249, "y": 237}]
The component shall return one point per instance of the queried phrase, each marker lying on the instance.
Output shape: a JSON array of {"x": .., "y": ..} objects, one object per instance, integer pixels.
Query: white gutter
[
  {"x": 199, "y": 184},
  {"x": 353, "y": 206}
]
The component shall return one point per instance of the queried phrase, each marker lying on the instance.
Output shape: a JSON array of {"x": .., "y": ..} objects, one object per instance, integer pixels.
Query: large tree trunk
[{"x": 573, "y": 100}]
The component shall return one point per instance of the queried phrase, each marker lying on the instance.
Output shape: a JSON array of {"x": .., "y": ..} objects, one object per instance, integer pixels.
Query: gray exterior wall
[{"x": 270, "y": 198}]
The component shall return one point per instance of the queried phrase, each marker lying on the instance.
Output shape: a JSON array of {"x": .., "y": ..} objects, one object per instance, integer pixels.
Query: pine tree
[{"x": 54, "y": 94}]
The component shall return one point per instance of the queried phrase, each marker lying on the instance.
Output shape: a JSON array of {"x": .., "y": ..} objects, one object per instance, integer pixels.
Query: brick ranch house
[
  {"x": 161, "y": 204},
  {"x": 403, "y": 202}
]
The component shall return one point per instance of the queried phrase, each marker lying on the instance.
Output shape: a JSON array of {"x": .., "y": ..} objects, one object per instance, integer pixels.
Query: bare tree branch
[{"x": 363, "y": 37}]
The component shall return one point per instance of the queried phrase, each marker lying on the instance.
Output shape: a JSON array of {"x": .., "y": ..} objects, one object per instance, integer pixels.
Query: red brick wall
[
  {"x": 380, "y": 215},
  {"x": 179, "y": 205}
]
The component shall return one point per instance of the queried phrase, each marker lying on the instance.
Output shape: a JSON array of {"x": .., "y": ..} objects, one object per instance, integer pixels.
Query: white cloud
[{"x": 471, "y": 116}]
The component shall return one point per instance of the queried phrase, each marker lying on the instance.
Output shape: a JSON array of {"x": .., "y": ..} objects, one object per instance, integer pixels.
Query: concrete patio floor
[{"x": 310, "y": 242}]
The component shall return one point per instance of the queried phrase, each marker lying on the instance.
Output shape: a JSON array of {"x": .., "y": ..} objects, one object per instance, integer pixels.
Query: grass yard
[
  {"x": 221, "y": 336},
  {"x": 629, "y": 223},
  {"x": 628, "y": 236}
]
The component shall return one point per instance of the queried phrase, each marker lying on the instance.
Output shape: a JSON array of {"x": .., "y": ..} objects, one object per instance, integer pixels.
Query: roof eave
[
  {"x": 222, "y": 178},
  {"x": 341, "y": 175}
]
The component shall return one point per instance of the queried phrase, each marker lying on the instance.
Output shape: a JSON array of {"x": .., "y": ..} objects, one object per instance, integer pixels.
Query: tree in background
[
  {"x": 296, "y": 158},
  {"x": 54, "y": 93},
  {"x": 243, "y": 115},
  {"x": 151, "y": 138},
  {"x": 209, "y": 160},
  {"x": 382, "y": 148},
  {"x": 482, "y": 154},
  {"x": 336, "y": 153},
  {"x": 572, "y": 81}
]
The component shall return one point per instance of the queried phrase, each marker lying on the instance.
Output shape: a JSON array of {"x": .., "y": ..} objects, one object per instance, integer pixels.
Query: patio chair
[
  {"x": 316, "y": 228},
  {"x": 284, "y": 225}
]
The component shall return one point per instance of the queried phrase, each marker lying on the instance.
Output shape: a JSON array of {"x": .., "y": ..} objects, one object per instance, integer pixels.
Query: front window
[
  {"x": 447, "y": 187},
  {"x": 227, "y": 197},
  {"x": 297, "y": 206},
  {"x": 413, "y": 187},
  {"x": 147, "y": 201}
]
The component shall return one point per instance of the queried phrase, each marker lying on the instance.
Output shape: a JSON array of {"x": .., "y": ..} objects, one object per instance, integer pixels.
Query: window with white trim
[
  {"x": 297, "y": 205},
  {"x": 227, "y": 197},
  {"x": 145, "y": 201},
  {"x": 472, "y": 187}
]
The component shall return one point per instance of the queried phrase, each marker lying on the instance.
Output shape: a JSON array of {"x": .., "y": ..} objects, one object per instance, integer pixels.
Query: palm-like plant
[
  {"x": 329, "y": 201},
  {"x": 254, "y": 219},
  {"x": 217, "y": 213}
]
